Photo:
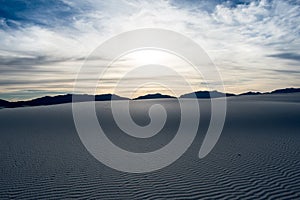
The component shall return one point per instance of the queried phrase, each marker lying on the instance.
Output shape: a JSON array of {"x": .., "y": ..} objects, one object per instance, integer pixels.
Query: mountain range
[{"x": 68, "y": 98}]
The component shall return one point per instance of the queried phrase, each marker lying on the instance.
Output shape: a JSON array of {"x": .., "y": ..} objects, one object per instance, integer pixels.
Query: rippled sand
[{"x": 257, "y": 156}]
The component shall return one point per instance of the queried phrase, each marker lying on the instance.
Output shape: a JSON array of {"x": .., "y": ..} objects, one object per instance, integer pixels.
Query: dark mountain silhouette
[
  {"x": 286, "y": 90},
  {"x": 3, "y": 103},
  {"x": 155, "y": 96},
  {"x": 250, "y": 93},
  {"x": 206, "y": 95},
  {"x": 68, "y": 98},
  {"x": 60, "y": 99},
  {"x": 278, "y": 91}
]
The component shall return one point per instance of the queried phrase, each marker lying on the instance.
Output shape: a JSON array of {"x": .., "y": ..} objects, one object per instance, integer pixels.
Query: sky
[{"x": 43, "y": 43}]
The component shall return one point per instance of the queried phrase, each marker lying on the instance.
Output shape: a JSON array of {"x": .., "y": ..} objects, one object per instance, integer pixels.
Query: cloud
[
  {"x": 296, "y": 72},
  {"x": 289, "y": 56},
  {"x": 39, "y": 12},
  {"x": 31, "y": 61},
  {"x": 50, "y": 38}
]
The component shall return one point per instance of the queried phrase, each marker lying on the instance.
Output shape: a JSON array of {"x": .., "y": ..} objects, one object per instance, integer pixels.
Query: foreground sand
[{"x": 257, "y": 156}]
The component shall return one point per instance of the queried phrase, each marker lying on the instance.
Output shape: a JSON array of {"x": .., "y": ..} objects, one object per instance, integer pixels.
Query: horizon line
[{"x": 158, "y": 93}]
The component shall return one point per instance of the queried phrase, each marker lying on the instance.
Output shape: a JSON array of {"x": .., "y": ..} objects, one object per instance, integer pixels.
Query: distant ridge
[
  {"x": 277, "y": 91},
  {"x": 286, "y": 90},
  {"x": 250, "y": 93},
  {"x": 3, "y": 103},
  {"x": 206, "y": 95},
  {"x": 68, "y": 98},
  {"x": 60, "y": 99},
  {"x": 155, "y": 96}
]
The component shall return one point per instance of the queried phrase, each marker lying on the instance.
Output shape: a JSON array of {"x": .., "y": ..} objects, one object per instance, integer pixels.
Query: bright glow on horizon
[
  {"x": 144, "y": 57},
  {"x": 121, "y": 72}
]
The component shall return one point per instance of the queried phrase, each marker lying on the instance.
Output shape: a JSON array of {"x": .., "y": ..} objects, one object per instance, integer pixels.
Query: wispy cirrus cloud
[
  {"x": 243, "y": 38},
  {"x": 289, "y": 56}
]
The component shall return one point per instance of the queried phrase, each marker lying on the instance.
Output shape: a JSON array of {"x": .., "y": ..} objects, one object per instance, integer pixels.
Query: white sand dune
[{"x": 257, "y": 156}]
